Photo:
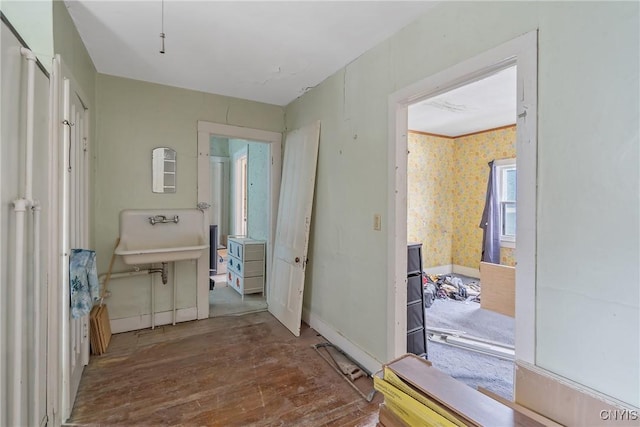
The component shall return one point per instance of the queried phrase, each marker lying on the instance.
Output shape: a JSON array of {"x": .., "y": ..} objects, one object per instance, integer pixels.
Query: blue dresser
[{"x": 246, "y": 265}]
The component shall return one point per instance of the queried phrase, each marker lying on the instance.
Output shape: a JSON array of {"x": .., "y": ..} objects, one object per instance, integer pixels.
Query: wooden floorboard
[{"x": 228, "y": 371}]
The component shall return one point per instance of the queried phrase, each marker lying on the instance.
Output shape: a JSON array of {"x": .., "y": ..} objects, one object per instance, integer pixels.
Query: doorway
[
  {"x": 246, "y": 180},
  {"x": 267, "y": 146},
  {"x": 452, "y": 138},
  {"x": 521, "y": 52}
]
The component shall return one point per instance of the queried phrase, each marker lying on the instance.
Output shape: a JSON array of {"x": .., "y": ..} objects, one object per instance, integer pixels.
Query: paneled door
[
  {"x": 75, "y": 226},
  {"x": 293, "y": 226}
]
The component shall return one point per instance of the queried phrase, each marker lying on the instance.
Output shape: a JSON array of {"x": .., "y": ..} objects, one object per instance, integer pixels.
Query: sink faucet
[
  {"x": 158, "y": 218},
  {"x": 162, "y": 219}
]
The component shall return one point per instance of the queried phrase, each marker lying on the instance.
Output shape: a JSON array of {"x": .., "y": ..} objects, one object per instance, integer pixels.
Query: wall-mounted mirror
[{"x": 163, "y": 166}]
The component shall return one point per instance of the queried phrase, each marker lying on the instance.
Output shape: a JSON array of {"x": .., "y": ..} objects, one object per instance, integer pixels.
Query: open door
[
  {"x": 75, "y": 234},
  {"x": 292, "y": 228}
]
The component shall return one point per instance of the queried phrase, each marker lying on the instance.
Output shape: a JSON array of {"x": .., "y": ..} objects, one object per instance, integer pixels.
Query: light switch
[{"x": 377, "y": 222}]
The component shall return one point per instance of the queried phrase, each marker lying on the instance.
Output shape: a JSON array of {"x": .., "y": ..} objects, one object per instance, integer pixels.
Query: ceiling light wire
[{"x": 162, "y": 29}]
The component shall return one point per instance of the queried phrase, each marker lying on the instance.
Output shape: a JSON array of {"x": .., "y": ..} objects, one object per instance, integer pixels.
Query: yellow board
[
  {"x": 409, "y": 409},
  {"x": 394, "y": 380}
]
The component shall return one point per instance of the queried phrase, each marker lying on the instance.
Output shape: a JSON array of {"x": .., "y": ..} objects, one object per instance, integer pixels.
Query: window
[{"x": 507, "y": 192}]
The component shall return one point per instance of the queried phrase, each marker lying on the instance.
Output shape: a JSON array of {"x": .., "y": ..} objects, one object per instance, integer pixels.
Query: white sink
[{"x": 142, "y": 242}]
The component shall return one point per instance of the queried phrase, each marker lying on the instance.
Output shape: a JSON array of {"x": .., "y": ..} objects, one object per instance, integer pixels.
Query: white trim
[
  {"x": 336, "y": 338},
  {"x": 237, "y": 159},
  {"x": 274, "y": 139},
  {"x": 521, "y": 51},
  {"x": 143, "y": 321},
  {"x": 466, "y": 271},
  {"x": 397, "y": 230},
  {"x": 54, "y": 387},
  {"x": 527, "y": 155},
  {"x": 501, "y": 166},
  {"x": 439, "y": 270},
  {"x": 224, "y": 208}
]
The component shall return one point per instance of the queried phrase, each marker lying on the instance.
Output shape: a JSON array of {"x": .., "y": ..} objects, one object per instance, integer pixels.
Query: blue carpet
[{"x": 470, "y": 367}]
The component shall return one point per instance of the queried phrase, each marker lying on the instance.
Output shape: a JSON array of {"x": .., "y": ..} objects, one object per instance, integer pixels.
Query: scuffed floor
[
  {"x": 227, "y": 371},
  {"x": 225, "y": 301}
]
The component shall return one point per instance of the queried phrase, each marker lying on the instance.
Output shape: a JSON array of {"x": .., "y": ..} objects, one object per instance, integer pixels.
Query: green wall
[
  {"x": 258, "y": 191},
  {"x": 68, "y": 44},
  {"x": 588, "y": 182},
  {"x": 34, "y": 22},
  {"x": 134, "y": 117}
]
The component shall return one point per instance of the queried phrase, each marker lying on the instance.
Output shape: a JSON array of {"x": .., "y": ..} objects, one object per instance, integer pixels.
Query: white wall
[
  {"x": 132, "y": 118},
  {"x": 588, "y": 300}
]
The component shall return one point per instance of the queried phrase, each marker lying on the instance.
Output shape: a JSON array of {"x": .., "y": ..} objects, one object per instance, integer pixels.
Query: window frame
[{"x": 503, "y": 165}]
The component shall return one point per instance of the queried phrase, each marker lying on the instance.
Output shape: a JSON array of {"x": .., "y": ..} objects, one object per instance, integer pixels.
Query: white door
[
  {"x": 240, "y": 192},
  {"x": 292, "y": 229},
  {"x": 220, "y": 198},
  {"x": 75, "y": 352}
]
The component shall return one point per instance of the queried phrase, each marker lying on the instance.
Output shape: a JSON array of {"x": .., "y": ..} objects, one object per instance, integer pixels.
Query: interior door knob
[{"x": 297, "y": 260}]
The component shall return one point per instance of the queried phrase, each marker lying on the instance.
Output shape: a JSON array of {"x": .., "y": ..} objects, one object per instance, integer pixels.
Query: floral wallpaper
[
  {"x": 447, "y": 183},
  {"x": 471, "y": 156},
  {"x": 430, "y": 197},
  {"x": 508, "y": 256}
]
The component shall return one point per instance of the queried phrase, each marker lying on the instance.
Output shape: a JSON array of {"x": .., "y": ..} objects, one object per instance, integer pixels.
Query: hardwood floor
[{"x": 226, "y": 371}]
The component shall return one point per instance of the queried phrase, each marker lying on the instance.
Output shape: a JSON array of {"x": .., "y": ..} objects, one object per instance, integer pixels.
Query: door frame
[
  {"x": 239, "y": 191},
  {"x": 274, "y": 139},
  {"x": 522, "y": 52},
  {"x": 225, "y": 207}
]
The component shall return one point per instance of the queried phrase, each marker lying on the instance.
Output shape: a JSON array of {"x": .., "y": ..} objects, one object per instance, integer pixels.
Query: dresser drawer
[
  {"x": 246, "y": 268},
  {"x": 246, "y": 249},
  {"x": 254, "y": 251},
  {"x": 245, "y": 285},
  {"x": 235, "y": 248}
]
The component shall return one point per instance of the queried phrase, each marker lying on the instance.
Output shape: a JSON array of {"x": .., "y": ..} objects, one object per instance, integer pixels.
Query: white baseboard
[
  {"x": 466, "y": 271},
  {"x": 143, "y": 321},
  {"x": 441, "y": 269},
  {"x": 336, "y": 338}
]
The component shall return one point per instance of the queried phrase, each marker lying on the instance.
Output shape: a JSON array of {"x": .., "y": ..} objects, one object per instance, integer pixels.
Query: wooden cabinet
[
  {"x": 416, "y": 333},
  {"x": 246, "y": 265}
]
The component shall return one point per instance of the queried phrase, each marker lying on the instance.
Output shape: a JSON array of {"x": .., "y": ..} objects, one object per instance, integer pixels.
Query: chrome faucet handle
[
  {"x": 162, "y": 219},
  {"x": 203, "y": 205}
]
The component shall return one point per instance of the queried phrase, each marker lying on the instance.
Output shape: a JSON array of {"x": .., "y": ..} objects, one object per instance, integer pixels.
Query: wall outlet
[{"x": 377, "y": 222}]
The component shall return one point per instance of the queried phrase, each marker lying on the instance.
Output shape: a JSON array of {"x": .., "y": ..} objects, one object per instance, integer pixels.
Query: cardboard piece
[
  {"x": 99, "y": 322},
  {"x": 498, "y": 285}
]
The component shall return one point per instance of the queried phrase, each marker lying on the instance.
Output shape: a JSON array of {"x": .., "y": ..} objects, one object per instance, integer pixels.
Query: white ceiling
[
  {"x": 264, "y": 51},
  {"x": 485, "y": 104}
]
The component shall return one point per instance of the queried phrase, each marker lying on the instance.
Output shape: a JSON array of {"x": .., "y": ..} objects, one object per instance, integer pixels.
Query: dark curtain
[{"x": 490, "y": 222}]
